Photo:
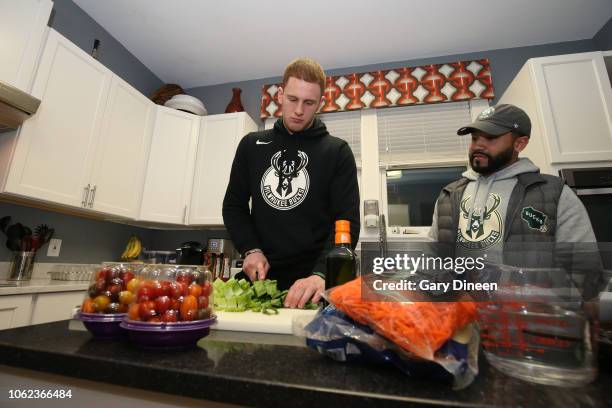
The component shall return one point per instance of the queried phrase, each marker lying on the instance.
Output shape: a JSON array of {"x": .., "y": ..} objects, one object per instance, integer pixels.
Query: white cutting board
[{"x": 262, "y": 323}]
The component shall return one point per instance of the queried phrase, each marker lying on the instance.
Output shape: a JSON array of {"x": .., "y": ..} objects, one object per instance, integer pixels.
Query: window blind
[
  {"x": 347, "y": 126},
  {"x": 423, "y": 133}
]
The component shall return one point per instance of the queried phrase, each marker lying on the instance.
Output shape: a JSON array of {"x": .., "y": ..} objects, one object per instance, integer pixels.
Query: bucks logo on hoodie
[
  {"x": 285, "y": 183},
  {"x": 480, "y": 228}
]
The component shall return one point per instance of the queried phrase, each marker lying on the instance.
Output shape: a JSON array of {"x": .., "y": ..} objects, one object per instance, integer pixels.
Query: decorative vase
[{"x": 235, "y": 104}]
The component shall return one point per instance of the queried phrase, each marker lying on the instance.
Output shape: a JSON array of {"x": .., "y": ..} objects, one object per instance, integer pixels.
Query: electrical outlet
[{"x": 54, "y": 247}]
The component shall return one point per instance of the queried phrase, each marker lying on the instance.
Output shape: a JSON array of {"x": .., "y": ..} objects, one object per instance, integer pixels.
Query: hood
[
  {"x": 15, "y": 106},
  {"x": 317, "y": 129},
  {"x": 522, "y": 165},
  {"x": 485, "y": 183}
]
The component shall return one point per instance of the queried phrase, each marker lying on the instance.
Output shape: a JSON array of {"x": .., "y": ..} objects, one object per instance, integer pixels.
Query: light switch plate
[{"x": 54, "y": 247}]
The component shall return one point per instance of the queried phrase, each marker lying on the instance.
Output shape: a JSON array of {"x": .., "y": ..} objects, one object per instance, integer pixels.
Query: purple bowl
[
  {"x": 103, "y": 326},
  {"x": 167, "y": 335}
]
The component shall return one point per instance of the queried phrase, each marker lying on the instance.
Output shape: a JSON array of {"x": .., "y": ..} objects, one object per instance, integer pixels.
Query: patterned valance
[{"x": 435, "y": 83}]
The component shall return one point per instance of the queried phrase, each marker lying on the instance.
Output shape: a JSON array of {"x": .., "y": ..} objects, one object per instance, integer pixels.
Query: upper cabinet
[
  {"x": 53, "y": 156},
  {"x": 569, "y": 101},
  {"x": 219, "y": 137},
  {"x": 122, "y": 151},
  {"x": 24, "y": 24},
  {"x": 169, "y": 175},
  {"x": 88, "y": 143}
]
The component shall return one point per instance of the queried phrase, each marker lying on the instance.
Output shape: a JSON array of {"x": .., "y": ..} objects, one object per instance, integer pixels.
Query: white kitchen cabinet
[
  {"x": 569, "y": 101},
  {"x": 15, "y": 311},
  {"x": 169, "y": 175},
  {"x": 22, "y": 33},
  {"x": 219, "y": 137},
  {"x": 53, "y": 153},
  {"x": 87, "y": 146},
  {"x": 122, "y": 151},
  {"x": 51, "y": 307}
]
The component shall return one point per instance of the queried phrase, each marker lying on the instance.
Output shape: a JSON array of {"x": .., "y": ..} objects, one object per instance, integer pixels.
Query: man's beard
[{"x": 494, "y": 163}]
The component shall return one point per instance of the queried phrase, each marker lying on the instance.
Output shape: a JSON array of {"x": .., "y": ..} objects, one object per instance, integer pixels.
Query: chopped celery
[{"x": 263, "y": 296}]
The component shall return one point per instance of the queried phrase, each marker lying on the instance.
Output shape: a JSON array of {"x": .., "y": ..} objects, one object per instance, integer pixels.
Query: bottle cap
[{"x": 343, "y": 226}]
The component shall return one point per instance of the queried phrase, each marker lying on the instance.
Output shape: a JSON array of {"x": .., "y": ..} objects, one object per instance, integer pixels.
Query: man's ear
[
  {"x": 520, "y": 143},
  {"x": 280, "y": 93}
]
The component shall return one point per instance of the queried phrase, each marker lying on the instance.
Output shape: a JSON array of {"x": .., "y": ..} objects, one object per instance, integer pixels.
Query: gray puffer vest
[{"x": 538, "y": 191}]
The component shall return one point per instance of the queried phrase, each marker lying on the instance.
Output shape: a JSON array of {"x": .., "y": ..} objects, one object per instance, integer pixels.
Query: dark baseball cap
[{"x": 500, "y": 119}]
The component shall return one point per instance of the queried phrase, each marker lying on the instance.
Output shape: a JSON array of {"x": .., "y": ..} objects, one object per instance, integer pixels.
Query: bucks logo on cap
[
  {"x": 487, "y": 113},
  {"x": 534, "y": 218}
]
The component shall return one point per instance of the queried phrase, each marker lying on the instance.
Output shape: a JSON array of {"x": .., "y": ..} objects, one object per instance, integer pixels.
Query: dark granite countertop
[{"x": 269, "y": 371}]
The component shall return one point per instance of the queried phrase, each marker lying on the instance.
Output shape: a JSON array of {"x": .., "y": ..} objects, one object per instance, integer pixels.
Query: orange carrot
[{"x": 418, "y": 327}]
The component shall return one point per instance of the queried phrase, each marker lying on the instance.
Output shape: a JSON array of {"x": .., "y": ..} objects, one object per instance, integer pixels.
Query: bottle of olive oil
[{"x": 341, "y": 261}]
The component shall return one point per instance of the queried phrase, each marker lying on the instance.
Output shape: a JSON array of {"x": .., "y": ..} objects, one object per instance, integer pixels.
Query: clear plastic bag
[
  {"x": 337, "y": 336},
  {"x": 418, "y": 326}
]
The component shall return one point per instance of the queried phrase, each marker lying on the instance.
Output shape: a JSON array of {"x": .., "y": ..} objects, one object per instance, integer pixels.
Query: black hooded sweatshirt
[{"x": 299, "y": 184}]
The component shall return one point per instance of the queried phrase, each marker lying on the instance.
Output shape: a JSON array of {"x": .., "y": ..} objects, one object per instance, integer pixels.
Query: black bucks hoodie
[{"x": 299, "y": 184}]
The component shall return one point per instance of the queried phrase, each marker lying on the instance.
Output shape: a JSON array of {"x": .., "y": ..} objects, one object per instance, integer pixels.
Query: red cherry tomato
[
  {"x": 177, "y": 289},
  {"x": 114, "y": 291},
  {"x": 170, "y": 316},
  {"x": 100, "y": 285},
  {"x": 184, "y": 277},
  {"x": 154, "y": 319},
  {"x": 162, "y": 304},
  {"x": 202, "y": 302},
  {"x": 126, "y": 277},
  {"x": 165, "y": 291},
  {"x": 195, "y": 290},
  {"x": 145, "y": 291},
  {"x": 189, "y": 308},
  {"x": 158, "y": 289},
  {"x": 146, "y": 309},
  {"x": 101, "y": 274},
  {"x": 206, "y": 288},
  {"x": 111, "y": 274}
]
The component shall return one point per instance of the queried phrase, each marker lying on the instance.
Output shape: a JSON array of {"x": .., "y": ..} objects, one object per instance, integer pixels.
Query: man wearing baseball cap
[{"x": 503, "y": 198}]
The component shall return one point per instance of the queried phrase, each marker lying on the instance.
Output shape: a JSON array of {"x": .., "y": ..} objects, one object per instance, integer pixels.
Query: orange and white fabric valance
[{"x": 434, "y": 83}]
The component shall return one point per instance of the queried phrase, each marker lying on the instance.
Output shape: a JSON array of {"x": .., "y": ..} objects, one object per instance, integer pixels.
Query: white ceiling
[{"x": 200, "y": 42}]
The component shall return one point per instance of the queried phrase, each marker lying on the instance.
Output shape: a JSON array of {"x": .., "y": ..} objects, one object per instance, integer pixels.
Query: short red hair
[{"x": 307, "y": 70}]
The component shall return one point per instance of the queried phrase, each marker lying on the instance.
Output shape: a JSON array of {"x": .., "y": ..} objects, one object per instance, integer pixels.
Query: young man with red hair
[{"x": 300, "y": 180}]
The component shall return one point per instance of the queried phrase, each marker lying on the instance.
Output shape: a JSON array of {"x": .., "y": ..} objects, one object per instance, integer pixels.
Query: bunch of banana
[{"x": 132, "y": 248}]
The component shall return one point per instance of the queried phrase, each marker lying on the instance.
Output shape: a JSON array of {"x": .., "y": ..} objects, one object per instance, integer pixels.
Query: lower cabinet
[
  {"x": 51, "y": 307},
  {"x": 15, "y": 311},
  {"x": 36, "y": 308}
]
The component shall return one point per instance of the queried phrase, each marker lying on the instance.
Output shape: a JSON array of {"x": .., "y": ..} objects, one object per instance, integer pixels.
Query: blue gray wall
[
  {"x": 83, "y": 240},
  {"x": 76, "y": 25},
  {"x": 603, "y": 38},
  {"x": 505, "y": 64}
]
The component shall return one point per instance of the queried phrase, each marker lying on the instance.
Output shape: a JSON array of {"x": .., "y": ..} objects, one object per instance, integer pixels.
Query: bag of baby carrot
[{"x": 417, "y": 326}]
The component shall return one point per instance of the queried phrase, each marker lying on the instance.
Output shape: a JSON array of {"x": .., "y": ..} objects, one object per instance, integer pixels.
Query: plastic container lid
[{"x": 111, "y": 288}]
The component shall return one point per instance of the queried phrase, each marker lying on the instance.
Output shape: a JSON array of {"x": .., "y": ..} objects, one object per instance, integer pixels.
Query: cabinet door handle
[
  {"x": 184, "y": 215},
  {"x": 85, "y": 195},
  {"x": 93, "y": 196}
]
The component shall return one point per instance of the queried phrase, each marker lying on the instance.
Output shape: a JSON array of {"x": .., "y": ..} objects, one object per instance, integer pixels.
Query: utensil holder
[{"x": 22, "y": 265}]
